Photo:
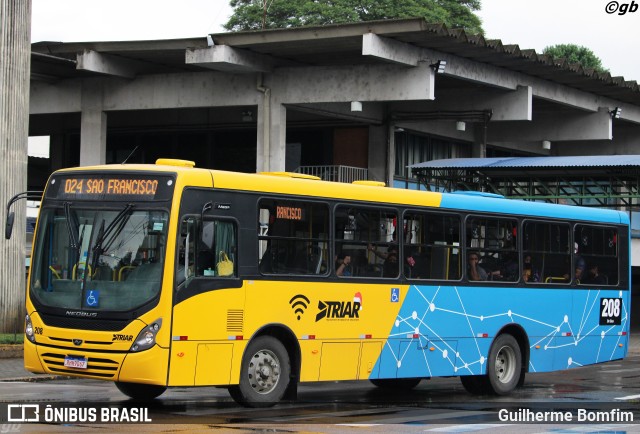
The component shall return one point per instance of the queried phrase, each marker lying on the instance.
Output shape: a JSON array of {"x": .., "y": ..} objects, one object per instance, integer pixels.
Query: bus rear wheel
[
  {"x": 504, "y": 366},
  {"x": 265, "y": 373},
  {"x": 141, "y": 392},
  {"x": 396, "y": 383}
]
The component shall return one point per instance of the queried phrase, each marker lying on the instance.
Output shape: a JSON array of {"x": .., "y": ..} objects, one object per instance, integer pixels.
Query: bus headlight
[
  {"x": 147, "y": 337},
  {"x": 28, "y": 329}
]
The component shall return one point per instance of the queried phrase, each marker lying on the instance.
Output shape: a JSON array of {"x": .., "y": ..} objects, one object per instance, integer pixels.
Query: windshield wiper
[
  {"x": 72, "y": 232},
  {"x": 116, "y": 224}
]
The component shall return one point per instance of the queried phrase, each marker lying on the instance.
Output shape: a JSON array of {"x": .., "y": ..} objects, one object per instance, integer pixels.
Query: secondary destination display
[{"x": 107, "y": 186}]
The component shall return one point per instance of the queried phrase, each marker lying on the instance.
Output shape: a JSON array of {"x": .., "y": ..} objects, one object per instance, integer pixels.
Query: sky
[{"x": 528, "y": 23}]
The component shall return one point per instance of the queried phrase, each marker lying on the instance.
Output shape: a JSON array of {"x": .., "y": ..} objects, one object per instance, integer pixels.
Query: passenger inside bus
[
  {"x": 593, "y": 276},
  {"x": 343, "y": 266},
  {"x": 474, "y": 271},
  {"x": 390, "y": 264},
  {"x": 529, "y": 273}
]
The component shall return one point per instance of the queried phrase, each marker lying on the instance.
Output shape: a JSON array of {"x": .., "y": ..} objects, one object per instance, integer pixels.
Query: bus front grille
[{"x": 96, "y": 367}]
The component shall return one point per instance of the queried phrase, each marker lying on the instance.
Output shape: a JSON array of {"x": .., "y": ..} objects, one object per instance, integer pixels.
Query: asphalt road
[{"x": 605, "y": 397}]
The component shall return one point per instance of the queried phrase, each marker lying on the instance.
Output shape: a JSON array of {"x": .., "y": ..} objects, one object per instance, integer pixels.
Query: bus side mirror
[{"x": 9, "y": 225}]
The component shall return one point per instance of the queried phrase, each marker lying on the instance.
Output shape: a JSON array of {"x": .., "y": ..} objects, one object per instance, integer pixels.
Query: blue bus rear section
[
  {"x": 448, "y": 330},
  {"x": 475, "y": 203}
]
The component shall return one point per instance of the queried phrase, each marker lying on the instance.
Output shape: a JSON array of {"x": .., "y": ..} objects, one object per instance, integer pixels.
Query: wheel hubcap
[
  {"x": 264, "y": 371},
  {"x": 505, "y": 364}
]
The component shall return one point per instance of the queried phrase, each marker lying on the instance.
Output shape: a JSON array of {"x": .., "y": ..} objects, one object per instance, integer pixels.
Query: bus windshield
[{"x": 97, "y": 259}]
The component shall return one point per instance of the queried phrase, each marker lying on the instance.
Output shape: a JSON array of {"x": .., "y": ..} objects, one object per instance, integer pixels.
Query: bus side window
[
  {"x": 217, "y": 249},
  {"x": 546, "y": 252},
  {"x": 202, "y": 248},
  {"x": 494, "y": 242},
  {"x": 293, "y": 237},
  {"x": 597, "y": 252},
  {"x": 432, "y": 246}
]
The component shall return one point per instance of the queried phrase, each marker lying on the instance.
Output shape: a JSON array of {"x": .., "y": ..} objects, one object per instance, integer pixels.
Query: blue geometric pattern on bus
[{"x": 448, "y": 330}]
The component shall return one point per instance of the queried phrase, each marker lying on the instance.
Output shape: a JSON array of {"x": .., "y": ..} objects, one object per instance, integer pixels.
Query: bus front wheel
[
  {"x": 265, "y": 373},
  {"x": 476, "y": 384},
  {"x": 141, "y": 392},
  {"x": 504, "y": 366}
]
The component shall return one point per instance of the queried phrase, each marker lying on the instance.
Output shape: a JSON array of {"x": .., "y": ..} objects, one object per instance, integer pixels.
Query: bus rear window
[{"x": 597, "y": 255}]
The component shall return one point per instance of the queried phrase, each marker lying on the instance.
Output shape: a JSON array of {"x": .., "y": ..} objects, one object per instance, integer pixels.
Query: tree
[
  {"x": 272, "y": 14},
  {"x": 576, "y": 54}
]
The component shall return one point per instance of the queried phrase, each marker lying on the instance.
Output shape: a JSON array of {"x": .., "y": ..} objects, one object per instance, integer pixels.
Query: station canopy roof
[
  {"x": 609, "y": 181},
  {"x": 569, "y": 164}
]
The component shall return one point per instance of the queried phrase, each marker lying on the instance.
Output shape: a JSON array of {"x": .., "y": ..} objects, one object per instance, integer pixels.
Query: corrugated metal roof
[{"x": 532, "y": 162}]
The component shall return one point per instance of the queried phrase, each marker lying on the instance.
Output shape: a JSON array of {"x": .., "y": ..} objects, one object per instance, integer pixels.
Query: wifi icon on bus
[{"x": 299, "y": 304}]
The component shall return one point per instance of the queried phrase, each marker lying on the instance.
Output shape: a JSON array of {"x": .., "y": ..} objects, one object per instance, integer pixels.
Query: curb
[
  {"x": 37, "y": 379},
  {"x": 11, "y": 351}
]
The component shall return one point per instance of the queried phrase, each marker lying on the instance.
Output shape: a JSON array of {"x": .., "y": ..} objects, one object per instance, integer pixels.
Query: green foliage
[
  {"x": 248, "y": 14},
  {"x": 10, "y": 338},
  {"x": 576, "y": 54}
]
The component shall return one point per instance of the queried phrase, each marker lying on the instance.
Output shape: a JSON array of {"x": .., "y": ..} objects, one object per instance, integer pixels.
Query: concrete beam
[
  {"x": 354, "y": 83},
  {"x": 494, "y": 76},
  {"x": 228, "y": 59},
  {"x": 93, "y": 61},
  {"x": 167, "y": 91},
  {"x": 372, "y": 113},
  {"x": 61, "y": 97},
  {"x": 390, "y": 50},
  {"x": 160, "y": 91},
  {"x": 555, "y": 128},
  {"x": 515, "y": 105},
  {"x": 624, "y": 142}
]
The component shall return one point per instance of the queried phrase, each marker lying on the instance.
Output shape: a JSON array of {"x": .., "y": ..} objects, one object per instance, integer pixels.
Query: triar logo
[{"x": 340, "y": 309}]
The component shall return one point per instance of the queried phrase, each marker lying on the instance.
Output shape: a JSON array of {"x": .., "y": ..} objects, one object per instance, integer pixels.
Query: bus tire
[
  {"x": 476, "y": 384},
  {"x": 140, "y": 392},
  {"x": 396, "y": 383},
  {"x": 264, "y": 374},
  {"x": 504, "y": 365}
]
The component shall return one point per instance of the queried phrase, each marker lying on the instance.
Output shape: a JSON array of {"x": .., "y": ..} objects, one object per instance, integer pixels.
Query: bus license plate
[{"x": 75, "y": 362}]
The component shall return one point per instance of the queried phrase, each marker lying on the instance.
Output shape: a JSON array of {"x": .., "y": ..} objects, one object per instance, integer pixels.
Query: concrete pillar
[
  {"x": 391, "y": 154},
  {"x": 479, "y": 146},
  {"x": 15, "y": 58},
  {"x": 93, "y": 125},
  {"x": 277, "y": 137},
  {"x": 57, "y": 153},
  {"x": 378, "y": 153}
]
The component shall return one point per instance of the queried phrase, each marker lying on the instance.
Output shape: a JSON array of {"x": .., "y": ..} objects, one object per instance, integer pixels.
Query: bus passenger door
[{"x": 209, "y": 302}]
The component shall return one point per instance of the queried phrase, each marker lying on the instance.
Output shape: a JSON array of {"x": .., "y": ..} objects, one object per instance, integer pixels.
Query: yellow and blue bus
[{"x": 165, "y": 275}]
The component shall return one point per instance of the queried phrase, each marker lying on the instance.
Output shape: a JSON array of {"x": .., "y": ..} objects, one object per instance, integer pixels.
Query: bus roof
[
  {"x": 385, "y": 195},
  {"x": 304, "y": 186}
]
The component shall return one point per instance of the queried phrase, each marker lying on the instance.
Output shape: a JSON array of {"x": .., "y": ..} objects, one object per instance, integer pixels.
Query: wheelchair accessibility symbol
[
  {"x": 92, "y": 298},
  {"x": 395, "y": 295}
]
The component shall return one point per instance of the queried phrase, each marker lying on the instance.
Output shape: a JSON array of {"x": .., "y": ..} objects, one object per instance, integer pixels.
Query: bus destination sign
[
  {"x": 110, "y": 187},
  {"x": 91, "y": 186}
]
